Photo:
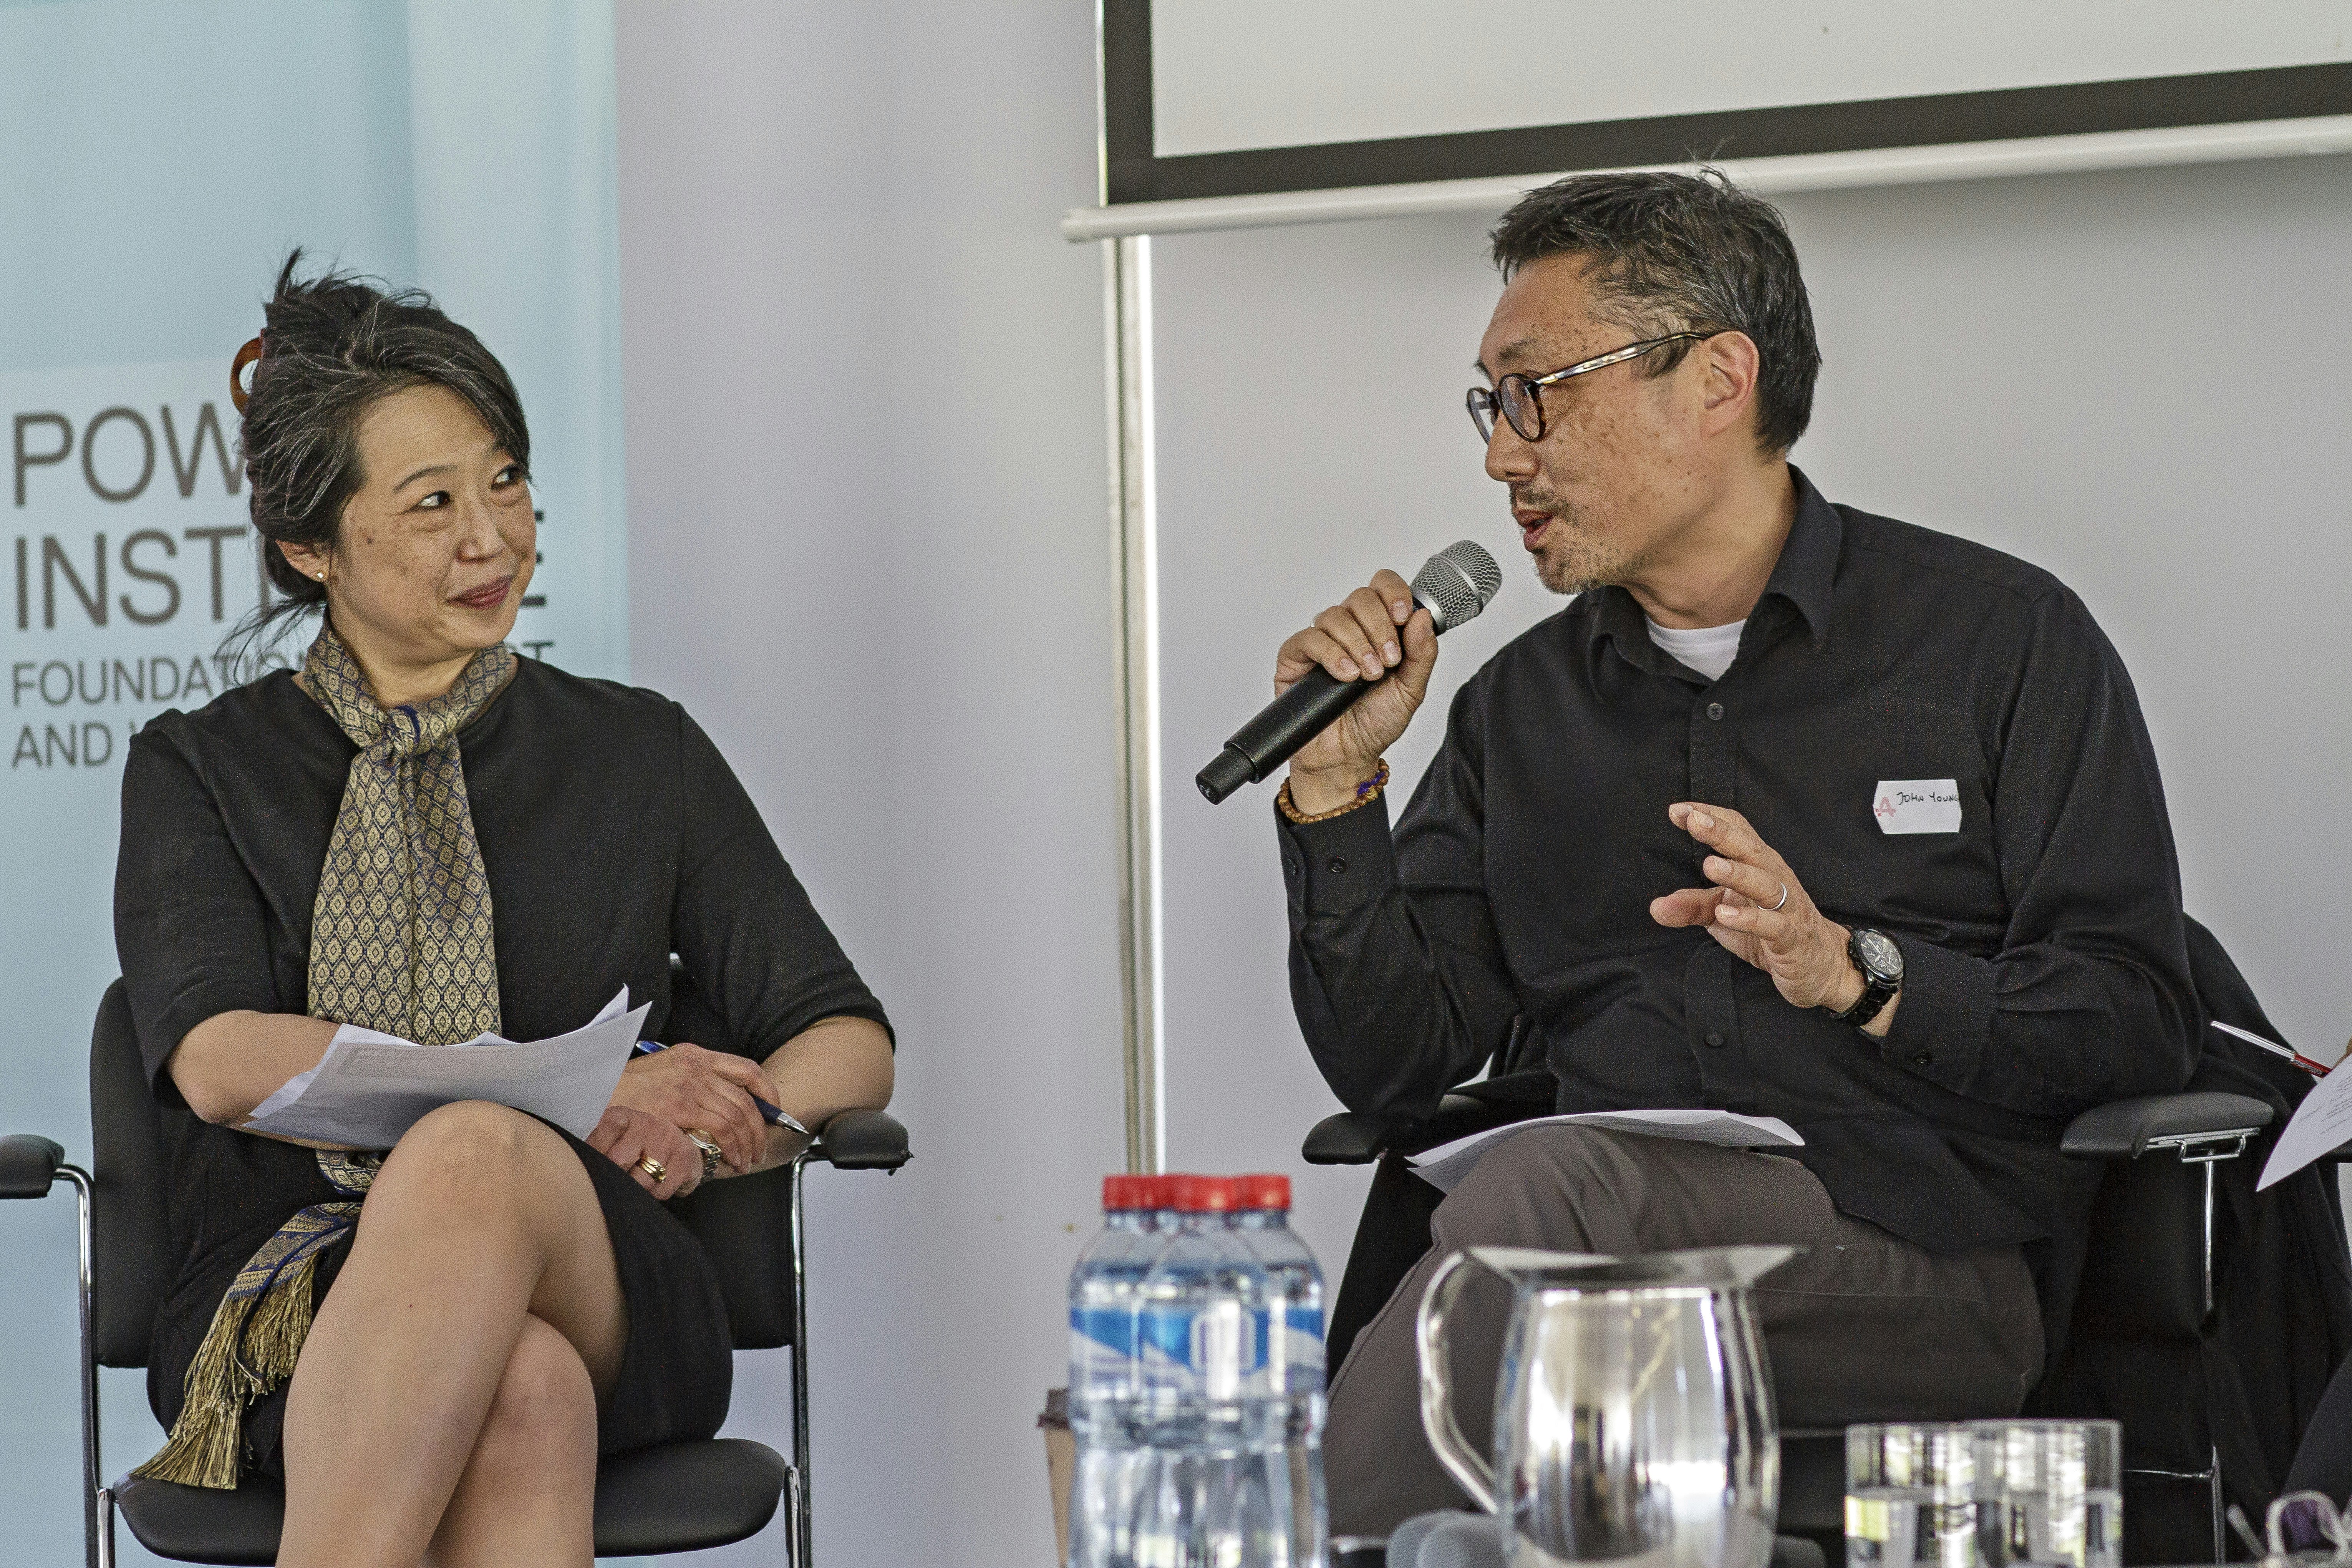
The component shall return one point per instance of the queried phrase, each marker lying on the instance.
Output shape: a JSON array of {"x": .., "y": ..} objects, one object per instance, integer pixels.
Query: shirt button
[
  {"x": 1289, "y": 867},
  {"x": 1714, "y": 709},
  {"x": 1922, "y": 1058},
  {"x": 1713, "y": 1037},
  {"x": 1337, "y": 867}
]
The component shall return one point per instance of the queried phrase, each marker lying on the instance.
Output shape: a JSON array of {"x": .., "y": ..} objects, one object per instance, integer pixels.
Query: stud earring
[{"x": 323, "y": 576}]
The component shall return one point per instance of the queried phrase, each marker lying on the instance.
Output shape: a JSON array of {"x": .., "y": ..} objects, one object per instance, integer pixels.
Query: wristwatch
[
  {"x": 711, "y": 1152},
  {"x": 1881, "y": 962}
]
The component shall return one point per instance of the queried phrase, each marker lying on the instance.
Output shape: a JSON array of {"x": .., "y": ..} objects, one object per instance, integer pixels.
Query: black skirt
[{"x": 677, "y": 1367}]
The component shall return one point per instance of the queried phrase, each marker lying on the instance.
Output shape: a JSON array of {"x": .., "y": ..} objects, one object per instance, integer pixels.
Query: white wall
[
  {"x": 897, "y": 626},
  {"x": 866, "y": 501},
  {"x": 2134, "y": 379}
]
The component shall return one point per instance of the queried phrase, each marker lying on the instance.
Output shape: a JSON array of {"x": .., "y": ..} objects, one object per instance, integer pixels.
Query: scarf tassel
[{"x": 238, "y": 1362}]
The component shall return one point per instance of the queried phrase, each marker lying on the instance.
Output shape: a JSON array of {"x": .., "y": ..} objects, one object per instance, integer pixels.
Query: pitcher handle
[{"x": 1468, "y": 1467}]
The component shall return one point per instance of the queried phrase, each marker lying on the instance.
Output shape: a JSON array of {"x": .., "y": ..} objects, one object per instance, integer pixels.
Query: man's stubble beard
[{"x": 1570, "y": 562}]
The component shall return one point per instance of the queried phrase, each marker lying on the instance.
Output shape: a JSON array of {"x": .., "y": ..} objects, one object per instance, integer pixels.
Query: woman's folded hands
[
  {"x": 710, "y": 1091},
  {"x": 641, "y": 1142}
]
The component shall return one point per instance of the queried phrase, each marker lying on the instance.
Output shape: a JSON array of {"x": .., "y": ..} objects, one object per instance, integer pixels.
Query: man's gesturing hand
[
  {"x": 1802, "y": 949},
  {"x": 1377, "y": 629}
]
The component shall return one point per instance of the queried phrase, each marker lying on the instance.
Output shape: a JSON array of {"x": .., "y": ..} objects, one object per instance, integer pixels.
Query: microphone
[{"x": 1452, "y": 585}]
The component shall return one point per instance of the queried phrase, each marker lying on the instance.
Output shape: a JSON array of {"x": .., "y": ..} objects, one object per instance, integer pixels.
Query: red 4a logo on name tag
[{"x": 1916, "y": 805}]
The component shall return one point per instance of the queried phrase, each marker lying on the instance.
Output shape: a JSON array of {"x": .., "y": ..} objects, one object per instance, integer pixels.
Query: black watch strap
[
  {"x": 1876, "y": 993},
  {"x": 1878, "y": 989}
]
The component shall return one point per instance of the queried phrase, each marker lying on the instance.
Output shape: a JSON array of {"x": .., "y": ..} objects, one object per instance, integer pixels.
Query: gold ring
[
  {"x": 1784, "y": 898},
  {"x": 654, "y": 1168}
]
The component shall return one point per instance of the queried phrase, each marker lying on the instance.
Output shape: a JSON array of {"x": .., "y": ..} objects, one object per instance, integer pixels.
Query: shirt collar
[{"x": 1804, "y": 576}]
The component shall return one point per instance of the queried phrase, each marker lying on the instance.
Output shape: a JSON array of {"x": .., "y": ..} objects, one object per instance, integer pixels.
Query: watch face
[{"x": 1879, "y": 956}]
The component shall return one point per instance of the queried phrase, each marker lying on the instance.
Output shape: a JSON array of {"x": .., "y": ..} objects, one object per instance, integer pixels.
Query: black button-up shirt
[{"x": 2044, "y": 956}]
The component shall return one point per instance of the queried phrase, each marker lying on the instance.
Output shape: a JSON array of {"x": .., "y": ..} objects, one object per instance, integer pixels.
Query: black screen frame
[{"x": 1133, "y": 172}]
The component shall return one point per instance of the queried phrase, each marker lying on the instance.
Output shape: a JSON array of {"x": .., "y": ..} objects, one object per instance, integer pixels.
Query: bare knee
[
  {"x": 544, "y": 1412},
  {"x": 471, "y": 1150}
]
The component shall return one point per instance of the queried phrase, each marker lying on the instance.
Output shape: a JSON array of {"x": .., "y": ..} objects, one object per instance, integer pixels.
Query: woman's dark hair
[
  {"x": 330, "y": 346},
  {"x": 1683, "y": 252}
]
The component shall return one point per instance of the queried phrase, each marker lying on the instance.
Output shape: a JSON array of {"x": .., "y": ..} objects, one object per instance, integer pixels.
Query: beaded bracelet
[{"x": 1366, "y": 793}]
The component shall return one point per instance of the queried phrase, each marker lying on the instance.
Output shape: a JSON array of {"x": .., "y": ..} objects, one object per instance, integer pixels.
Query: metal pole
[
  {"x": 1134, "y": 660},
  {"x": 96, "y": 1532},
  {"x": 803, "y": 1547}
]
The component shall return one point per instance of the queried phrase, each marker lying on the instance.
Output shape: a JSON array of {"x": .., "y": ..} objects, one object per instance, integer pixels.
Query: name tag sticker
[{"x": 1916, "y": 805}]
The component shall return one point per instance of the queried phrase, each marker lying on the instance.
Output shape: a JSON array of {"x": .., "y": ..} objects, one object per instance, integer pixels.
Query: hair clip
[{"x": 249, "y": 354}]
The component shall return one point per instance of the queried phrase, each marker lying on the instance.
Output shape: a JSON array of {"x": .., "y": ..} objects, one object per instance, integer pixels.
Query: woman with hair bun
[{"x": 423, "y": 833}]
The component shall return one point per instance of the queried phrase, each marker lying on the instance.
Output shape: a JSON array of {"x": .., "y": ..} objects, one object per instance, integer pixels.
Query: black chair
[
  {"x": 678, "y": 1496},
  {"x": 2148, "y": 1273}
]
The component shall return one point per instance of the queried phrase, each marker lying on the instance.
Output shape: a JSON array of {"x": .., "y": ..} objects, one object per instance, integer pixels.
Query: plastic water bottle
[
  {"x": 1217, "y": 1492},
  {"x": 1106, "y": 1378},
  {"x": 1294, "y": 1356}
]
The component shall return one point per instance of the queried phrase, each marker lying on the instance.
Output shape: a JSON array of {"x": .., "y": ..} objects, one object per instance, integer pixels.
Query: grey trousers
[{"x": 1861, "y": 1326}]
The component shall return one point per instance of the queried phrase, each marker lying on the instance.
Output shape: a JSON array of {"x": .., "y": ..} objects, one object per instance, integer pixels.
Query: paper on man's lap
[{"x": 1444, "y": 1166}]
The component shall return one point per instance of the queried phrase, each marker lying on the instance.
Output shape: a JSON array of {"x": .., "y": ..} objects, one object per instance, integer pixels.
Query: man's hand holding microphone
[
  {"x": 1333, "y": 709},
  {"x": 1377, "y": 630}
]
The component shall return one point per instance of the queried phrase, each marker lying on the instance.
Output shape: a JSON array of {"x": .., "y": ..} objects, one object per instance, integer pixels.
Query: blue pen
[{"x": 776, "y": 1117}]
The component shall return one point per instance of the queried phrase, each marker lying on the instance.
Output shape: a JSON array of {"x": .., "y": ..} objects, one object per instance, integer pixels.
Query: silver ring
[{"x": 1784, "y": 898}]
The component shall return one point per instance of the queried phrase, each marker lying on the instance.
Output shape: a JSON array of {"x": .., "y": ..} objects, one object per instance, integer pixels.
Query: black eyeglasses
[{"x": 1519, "y": 398}]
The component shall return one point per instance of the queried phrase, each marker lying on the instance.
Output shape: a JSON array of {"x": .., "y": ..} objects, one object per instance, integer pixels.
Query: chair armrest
[
  {"x": 2125, "y": 1128},
  {"x": 862, "y": 1141},
  {"x": 1357, "y": 1137},
  {"x": 1351, "y": 1138},
  {"x": 29, "y": 1166}
]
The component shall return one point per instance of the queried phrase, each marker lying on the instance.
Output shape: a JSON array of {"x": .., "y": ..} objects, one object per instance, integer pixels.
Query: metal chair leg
[
  {"x": 802, "y": 1546},
  {"x": 2220, "y": 1541},
  {"x": 98, "y": 1503}
]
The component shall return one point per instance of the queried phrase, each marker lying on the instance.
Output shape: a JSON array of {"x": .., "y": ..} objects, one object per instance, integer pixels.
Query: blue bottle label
[
  {"x": 1294, "y": 1357},
  {"x": 1217, "y": 1351},
  {"x": 1102, "y": 1347}
]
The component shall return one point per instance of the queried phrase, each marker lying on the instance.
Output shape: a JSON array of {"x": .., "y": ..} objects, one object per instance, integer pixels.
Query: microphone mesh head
[{"x": 1457, "y": 583}]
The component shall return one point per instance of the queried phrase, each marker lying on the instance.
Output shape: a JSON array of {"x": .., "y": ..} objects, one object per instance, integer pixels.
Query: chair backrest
[
  {"x": 744, "y": 1224},
  {"x": 130, "y": 1262}
]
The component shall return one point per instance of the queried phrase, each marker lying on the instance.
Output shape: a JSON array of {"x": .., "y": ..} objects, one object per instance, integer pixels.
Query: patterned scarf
[{"x": 400, "y": 942}]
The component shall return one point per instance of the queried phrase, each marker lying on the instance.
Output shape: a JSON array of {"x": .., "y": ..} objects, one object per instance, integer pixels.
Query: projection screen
[{"x": 1218, "y": 100}]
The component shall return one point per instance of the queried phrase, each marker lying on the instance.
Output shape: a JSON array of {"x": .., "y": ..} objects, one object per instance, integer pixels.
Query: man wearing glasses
[{"x": 1792, "y": 811}]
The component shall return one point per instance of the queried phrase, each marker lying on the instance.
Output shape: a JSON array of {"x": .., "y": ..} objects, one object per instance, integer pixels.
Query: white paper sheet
[
  {"x": 1444, "y": 1166},
  {"x": 2320, "y": 1125},
  {"x": 370, "y": 1088}
]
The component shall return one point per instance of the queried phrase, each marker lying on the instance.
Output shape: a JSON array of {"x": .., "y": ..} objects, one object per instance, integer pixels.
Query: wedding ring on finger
[
  {"x": 1784, "y": 898},
  {"x": 654, "y": 1168}
]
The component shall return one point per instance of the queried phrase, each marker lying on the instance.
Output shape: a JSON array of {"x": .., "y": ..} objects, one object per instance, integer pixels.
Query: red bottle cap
[
  {"x": 1123, "y": 1193},
  {"x": 1263, "y": 1190},
  {"x": 1201, "y": 1195},
  {"x": 1134, "y": 1193}
]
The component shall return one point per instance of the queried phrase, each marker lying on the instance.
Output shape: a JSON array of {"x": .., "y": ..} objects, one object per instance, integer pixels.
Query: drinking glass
[
  {"x": 1920, "y": 1495},
  {"x": 2060, "y": 1484}
]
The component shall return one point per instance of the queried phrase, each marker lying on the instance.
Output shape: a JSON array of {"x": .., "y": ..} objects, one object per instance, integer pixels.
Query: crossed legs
[{"x": 444, "y": 1408}]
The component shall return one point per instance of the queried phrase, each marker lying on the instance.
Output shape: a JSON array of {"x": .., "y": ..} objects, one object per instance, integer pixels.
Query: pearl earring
[{"x": 323, "y": 576}]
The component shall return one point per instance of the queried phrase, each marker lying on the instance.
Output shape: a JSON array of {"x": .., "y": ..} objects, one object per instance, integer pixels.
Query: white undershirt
[{"x": 1707, "y": 649}]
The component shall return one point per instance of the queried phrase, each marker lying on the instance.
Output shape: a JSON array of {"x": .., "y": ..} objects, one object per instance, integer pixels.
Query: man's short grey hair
[{"x": 1673, "y": 253}]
